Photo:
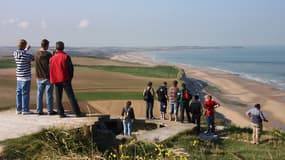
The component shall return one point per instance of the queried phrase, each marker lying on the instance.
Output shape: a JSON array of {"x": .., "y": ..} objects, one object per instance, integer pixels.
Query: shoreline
[{"x": 232, "y": 87}]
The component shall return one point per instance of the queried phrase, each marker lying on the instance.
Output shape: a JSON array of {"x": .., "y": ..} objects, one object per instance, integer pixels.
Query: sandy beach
[{"x": 232, "y": 86}]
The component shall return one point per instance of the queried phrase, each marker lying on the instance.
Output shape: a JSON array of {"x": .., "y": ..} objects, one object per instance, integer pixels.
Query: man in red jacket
[
  {"x": 210, "y": 106},
  {"x": 61, "y": 74}
]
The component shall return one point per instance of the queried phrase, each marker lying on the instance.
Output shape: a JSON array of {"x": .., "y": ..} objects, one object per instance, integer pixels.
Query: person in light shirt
[{"x": 256, "y": 117}]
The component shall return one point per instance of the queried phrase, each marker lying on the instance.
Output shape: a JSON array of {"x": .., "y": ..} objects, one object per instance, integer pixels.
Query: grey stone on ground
[
  {"x": 208, "y": 137},
  {"x": 161, "y": 134}
]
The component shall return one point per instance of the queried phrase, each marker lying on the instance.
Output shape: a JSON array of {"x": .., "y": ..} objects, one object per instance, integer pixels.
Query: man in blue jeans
[
  {"x": 24, "y": 76},
  {"x": 42, "y": 58}
]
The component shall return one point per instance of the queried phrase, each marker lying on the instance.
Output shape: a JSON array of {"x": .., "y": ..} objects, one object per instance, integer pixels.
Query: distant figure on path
[
  {"x": 184, "y": 99},
  {"x": 128, "y": 117},
  {"x": 24, "y": 76},
  {"x": 162, "y": 98},
  {"x": 42, "y": 58},
  {"x": 148, "y": 95},
  {"x": 196, "y": 110},
  {"x": 61, "y": 74},
  {"x": 210, "y": 106},
  {"x": 172, "y": 99},
  {"x": 256, "y": 117}
]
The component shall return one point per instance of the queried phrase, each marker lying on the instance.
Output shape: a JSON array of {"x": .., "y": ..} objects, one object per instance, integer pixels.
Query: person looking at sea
[
  {"x": 210, "y": 106},
  {"x": 256, "y": 117}
]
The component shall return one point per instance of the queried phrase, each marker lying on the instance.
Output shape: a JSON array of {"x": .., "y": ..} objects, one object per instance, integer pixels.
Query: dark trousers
[
  {"x": 196, "y": 120},
  {"x": 210, "y": 124},
  {"x": 183, "y": 107},
  {"x": 149, "y": 109},
  {"x": 70, "y": 94}
]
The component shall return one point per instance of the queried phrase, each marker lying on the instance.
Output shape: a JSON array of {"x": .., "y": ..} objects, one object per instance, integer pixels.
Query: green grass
[
  {"x": 7, "y": 64},
  {"x": 52, "y": 143},
  {"x": 108, "y": 95},
  {"x": 236, "y": 145},
  {"x": 156, "y": 71}
]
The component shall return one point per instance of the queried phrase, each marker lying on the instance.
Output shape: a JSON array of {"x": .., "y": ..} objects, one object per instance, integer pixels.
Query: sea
[{"x": 262, "y": 64}]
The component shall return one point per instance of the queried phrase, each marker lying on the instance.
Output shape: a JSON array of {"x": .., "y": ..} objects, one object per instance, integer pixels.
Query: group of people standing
[
  {"x": 52, "y": 70},
  {"x": 183, "y": 99}
]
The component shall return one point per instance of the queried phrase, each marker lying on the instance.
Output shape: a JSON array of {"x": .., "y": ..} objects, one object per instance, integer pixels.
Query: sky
[{"x": 134, "y": 23}]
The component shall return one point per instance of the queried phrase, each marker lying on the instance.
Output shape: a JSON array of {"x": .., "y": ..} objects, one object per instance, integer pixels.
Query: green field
[
  {"x": 7, "y": 64},
  {"x": 156, "y": 71},
  {"x": 83, "y": 96}
]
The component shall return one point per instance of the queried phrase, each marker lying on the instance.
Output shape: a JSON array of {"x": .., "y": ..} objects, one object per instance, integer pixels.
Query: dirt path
[{"x": 13, "y": 126}]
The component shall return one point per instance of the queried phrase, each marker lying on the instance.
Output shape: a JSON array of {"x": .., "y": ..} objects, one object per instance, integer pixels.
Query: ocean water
[{"x": 263, "y": 64}]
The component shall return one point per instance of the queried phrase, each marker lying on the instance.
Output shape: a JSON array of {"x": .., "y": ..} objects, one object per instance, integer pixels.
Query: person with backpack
[
  {"x": 210, "y": 106},
  {"x": 148, "y": 95},
  {"x": 196, "y": 110},
  {"x": 162, "y": 98},
  {"x": 128, "y": 117},
  {"x": 184, "y": 98},
  {"x": 256, "y": 117},
  {"x": 172, "y": 99}
]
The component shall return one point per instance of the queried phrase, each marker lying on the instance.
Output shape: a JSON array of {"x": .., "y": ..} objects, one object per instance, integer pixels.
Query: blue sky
[{"x": 144, "y": 22}]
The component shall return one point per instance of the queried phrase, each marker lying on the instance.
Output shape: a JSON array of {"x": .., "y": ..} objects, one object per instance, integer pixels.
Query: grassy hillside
[{"x": 87, "y": 143}]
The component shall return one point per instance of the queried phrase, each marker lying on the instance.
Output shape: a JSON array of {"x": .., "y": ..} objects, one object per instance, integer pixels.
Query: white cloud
[
  {"x": 8, "y": 21},
  {"x": 23, "y": 24},
  {"x": 84, "y": 23},
  {"x": 43, "y": 24}
]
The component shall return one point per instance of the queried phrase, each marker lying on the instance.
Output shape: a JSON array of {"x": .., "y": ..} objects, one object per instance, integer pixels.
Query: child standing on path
[
  {"x": 162, "y": 98},
  {"x": 128, "y": 117},
  {"x": 24, "y": 76}
]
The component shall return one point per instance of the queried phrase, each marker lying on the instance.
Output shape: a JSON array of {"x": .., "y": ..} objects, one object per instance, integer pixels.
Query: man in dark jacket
[
  {"x": 61, "y": 74},
  {"x": 162, "y": 98},
  {"x": 42, "y": 58},
  {"x": 196, "y": 111}
]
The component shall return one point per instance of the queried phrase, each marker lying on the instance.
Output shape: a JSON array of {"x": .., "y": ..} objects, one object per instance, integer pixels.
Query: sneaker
[
  {"x": 62, "y": 115},
  {"x": 18, "y": 112},
  {"x": 81, "y": 114},
  {"x": 26, "y": 113},
  {"x": 52, "y": 113},
  {"x": 40, "y": 113}
]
